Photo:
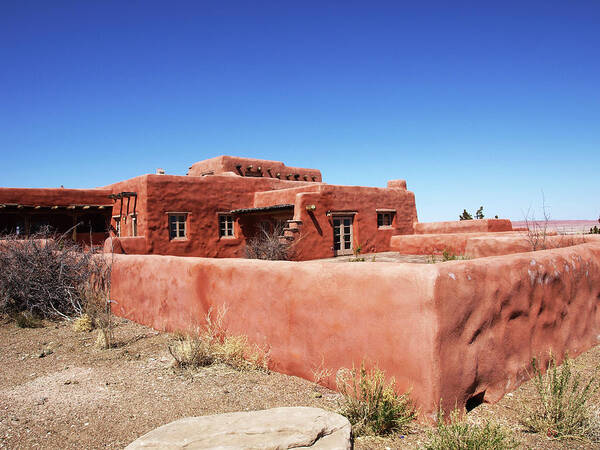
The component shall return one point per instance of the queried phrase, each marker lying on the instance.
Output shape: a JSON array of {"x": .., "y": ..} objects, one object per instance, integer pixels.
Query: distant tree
[
  {"x": 479, "y": 213},
  {"x": 465, "y": 215}
]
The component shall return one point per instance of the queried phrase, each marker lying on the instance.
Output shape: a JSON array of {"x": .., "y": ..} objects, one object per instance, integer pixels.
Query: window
[
  {"x": 177, "y": 226},
  {"x": 384, "y": 219},
  {"x": 117, "y": 220},
  {"x": 225, "y": 225},
  {"x": 133, "y": 225}
]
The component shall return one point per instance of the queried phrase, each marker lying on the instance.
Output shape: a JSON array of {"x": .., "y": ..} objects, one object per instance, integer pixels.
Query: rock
[
  {"x": 45, "y": 353},
  {"x": 277, "y": 428}
]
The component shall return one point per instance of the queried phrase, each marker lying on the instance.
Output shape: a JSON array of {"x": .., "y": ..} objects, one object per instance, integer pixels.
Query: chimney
[{"x": 160, "y": 171}]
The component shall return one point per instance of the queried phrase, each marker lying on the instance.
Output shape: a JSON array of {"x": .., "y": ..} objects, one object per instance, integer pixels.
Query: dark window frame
[
  {"x": 178, "y": 226},
  {"x": 226, "y": 225},
  {"x": 385, "y": 219}
]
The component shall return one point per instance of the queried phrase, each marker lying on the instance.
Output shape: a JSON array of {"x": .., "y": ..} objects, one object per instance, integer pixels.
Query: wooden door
[{"x": 342, "y": 235}]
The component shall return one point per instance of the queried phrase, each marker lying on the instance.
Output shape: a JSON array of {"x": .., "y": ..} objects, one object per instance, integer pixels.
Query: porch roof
[{"x": 263, "y": 209}]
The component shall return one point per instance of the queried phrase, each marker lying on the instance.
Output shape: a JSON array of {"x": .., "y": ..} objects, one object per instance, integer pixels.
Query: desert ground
[
  {"x": 563, "y": 226},
  {"x": 59, "y": 390}
]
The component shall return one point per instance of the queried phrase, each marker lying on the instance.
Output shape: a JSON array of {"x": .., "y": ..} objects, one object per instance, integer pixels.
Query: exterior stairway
[{"x": 292, "y": 228}]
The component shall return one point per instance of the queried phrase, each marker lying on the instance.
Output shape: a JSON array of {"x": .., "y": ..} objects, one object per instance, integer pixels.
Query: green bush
[
  {"x": 563, "y": 407},
  {"x": 460, "y": 435},
  {"x": 448, "y": 256},
  {"x": 373, "y": 406},
  {"x": 594, "y": 230}
]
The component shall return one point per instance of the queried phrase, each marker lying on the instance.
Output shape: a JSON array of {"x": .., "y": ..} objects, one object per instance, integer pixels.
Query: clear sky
[{"x": 473, "y": 103}]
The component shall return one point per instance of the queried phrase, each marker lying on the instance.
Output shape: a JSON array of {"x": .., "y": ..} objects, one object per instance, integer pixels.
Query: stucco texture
[{"x": 446, "y": 332}]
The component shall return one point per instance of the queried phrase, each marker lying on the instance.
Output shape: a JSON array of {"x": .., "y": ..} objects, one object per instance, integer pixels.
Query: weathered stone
[{"x": 277, "y": 428}]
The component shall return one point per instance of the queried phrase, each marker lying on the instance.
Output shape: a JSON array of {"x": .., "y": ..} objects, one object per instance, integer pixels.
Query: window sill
[
  {"x": 386, "y": 228},
  {"x": 178, "y": 239}
]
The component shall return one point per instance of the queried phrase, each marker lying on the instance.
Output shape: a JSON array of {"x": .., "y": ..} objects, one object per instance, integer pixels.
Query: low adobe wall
[
  {"x": 480, "y": 246},
  {"x": 495, "y": 314},
  {"x": 434, "y": 244},
  {"x": 447, "y": 331},
  {"x": 306, "y": 312},
  {"x": 126, "y": 245},
  {"x": 464, "y": 226}
]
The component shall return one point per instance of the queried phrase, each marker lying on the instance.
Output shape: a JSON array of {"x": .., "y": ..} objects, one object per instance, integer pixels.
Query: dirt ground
[{"x": 58, "y": 390}]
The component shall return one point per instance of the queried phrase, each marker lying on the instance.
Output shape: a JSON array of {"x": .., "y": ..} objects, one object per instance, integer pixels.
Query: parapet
[
  {"x": 397, "y": 184},
  {"x": 250, "y": 167}
]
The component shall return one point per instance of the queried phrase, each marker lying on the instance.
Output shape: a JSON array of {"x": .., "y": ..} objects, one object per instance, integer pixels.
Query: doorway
[{"x": 342, "y": 235}]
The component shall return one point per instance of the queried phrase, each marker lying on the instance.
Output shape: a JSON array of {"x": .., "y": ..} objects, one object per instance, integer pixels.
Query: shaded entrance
[{"x": 271, "y": 219}]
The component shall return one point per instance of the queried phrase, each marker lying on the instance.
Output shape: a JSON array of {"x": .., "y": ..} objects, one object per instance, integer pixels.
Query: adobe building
[{"x": 216, "y": 208}]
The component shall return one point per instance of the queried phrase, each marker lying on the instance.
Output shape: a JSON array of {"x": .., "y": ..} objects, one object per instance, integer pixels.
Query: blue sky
[{"x": 474, "y": 103}]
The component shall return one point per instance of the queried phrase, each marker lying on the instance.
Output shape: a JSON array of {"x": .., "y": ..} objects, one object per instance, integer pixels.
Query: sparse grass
[
  {"x": 213, "y": 344},
  {"x": 447, "y": 255},
  {"x": 371, "y": 404},
  {"x": 563, "y": 407},
  {"x": 320, "y": 372},
  {"x": 458, "y": 434}
]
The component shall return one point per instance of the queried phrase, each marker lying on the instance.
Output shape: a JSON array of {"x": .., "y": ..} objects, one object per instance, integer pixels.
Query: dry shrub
[
  {"x": 83, "y": 324},
  {"x": 212, "y": 344},
  {"x": 537, "y": 230},
  {"x": 27, "y": 320},
  {"x": 371, "y": 404},
  {"x": 269, "y": 244},
  {"x": 46, "y": 275},
  {"x": 563, "y": 407},
  {"x": 320, "y": 372},
  {"x": 458, "y": 434}
]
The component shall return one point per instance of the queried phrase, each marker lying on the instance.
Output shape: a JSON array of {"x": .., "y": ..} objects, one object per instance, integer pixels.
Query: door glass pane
[
  {"x": 346, "y": 230},
  {"x": 346, "y": 222},
  {"x": 336, "y": 222}
]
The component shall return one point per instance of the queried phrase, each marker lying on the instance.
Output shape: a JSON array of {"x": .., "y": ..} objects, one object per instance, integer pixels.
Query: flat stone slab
[{"x": 277, "y": 428}]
